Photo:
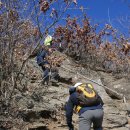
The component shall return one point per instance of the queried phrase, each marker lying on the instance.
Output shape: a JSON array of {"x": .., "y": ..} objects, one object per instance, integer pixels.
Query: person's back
[
  {"x": 41, "y": 56},
  {"x": 87, "y": 114}
]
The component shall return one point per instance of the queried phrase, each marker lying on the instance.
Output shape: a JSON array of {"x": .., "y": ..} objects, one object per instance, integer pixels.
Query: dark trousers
[
  {"x": 89, "y": 117},
  {"x": 54, "y": 72},
  {"x": 45, "y": 72},
  {"x": 46, "y": 75}
]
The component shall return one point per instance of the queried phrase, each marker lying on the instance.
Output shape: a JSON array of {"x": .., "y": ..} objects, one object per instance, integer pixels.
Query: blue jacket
[
  {"x": 41, "y": 56},
  {"x": 72, "y": 102}
]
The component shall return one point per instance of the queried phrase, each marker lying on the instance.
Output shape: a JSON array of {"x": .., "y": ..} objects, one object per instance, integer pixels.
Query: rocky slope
[{"x": 42, "y": 107}]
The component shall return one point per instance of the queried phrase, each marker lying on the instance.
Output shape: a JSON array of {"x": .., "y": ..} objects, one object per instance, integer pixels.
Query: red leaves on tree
[
  {"x": 36, "y": 32},
  {"x": 44, "y": 5},
  {"x": 126, "y": 48},
  {"x": 85, "y": 43}
]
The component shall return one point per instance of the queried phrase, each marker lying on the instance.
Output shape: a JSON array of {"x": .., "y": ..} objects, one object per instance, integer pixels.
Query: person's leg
[
  {"x": 46, "y": 75},
  {"x": 42, "y": 66},
  {"x": 55, "y": 75},
  {"x": 85, "y": 120},
  {"x": 97, "y": 119}
]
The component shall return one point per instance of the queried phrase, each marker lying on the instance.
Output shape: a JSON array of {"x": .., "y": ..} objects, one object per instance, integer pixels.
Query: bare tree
[{"x": 23, "y": 27}]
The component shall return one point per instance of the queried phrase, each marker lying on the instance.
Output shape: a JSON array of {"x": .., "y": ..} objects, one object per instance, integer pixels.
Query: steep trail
[
  {"x": 115, "y": 117},
  {"x": 47, "y": 112}
]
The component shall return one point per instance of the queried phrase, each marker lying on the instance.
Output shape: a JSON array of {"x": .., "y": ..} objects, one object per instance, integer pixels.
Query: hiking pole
[{"x": 50, "y": 74}]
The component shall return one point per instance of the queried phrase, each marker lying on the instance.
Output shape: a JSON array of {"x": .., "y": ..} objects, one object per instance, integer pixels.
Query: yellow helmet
[{"x": 48, "y": 40}]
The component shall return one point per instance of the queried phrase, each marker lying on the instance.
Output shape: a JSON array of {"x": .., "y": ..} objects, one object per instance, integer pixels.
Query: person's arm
[
  {"x": 35, "y": 52},
  {"x": 42, "y": 56},
  {"x": 69, "y": 112},
  {"x": 101, "y": 101}
]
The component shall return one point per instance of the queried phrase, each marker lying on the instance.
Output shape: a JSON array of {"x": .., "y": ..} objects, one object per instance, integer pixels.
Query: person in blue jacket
[
  {"x": 43, "y": 63},
  {"x": 87, "y": 115},
  {"x": 42, "y": 58}
]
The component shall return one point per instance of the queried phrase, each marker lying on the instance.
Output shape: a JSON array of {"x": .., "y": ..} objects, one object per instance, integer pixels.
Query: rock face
[
  {"x": 114, "y": 116},
  {"x": 42, "y": 107},
  {"x": 121, "y": 85}
]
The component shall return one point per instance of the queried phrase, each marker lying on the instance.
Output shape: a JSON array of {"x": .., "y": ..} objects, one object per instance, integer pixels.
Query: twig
[{"x": 24, "y": 62}]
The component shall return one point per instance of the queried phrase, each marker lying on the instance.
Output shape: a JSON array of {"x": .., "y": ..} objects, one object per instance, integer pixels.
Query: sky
[{"x": 114, "y": 12}]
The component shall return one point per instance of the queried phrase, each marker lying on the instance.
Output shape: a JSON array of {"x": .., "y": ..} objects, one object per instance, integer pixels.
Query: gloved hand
[{"x": 71, "y": 127}]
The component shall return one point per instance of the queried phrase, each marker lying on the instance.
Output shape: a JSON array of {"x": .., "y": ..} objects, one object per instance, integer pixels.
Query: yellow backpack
[{"x": 87, "y": 96}]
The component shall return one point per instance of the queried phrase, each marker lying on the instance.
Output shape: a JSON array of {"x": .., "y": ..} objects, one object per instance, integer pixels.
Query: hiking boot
[
  {"x": 54, "y": 81},
  {"x": 44, "y": 83}
]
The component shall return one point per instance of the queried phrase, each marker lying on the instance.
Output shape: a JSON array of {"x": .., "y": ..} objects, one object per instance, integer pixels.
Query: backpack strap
[{"x": 77, "y": 109}]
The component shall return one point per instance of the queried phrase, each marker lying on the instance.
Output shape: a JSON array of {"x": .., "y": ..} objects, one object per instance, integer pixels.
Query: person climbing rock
[
  {"x": 88, "y": 104},
  {"x": 42, "y": 57},
  {"x": 43, "y": 63}
]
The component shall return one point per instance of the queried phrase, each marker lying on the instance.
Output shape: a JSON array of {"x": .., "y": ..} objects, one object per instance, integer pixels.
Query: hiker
[
  {"x": 90, "y": 109},
  {"x": 42, "y": 58},
  {"x": 44, "y": 64}
]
